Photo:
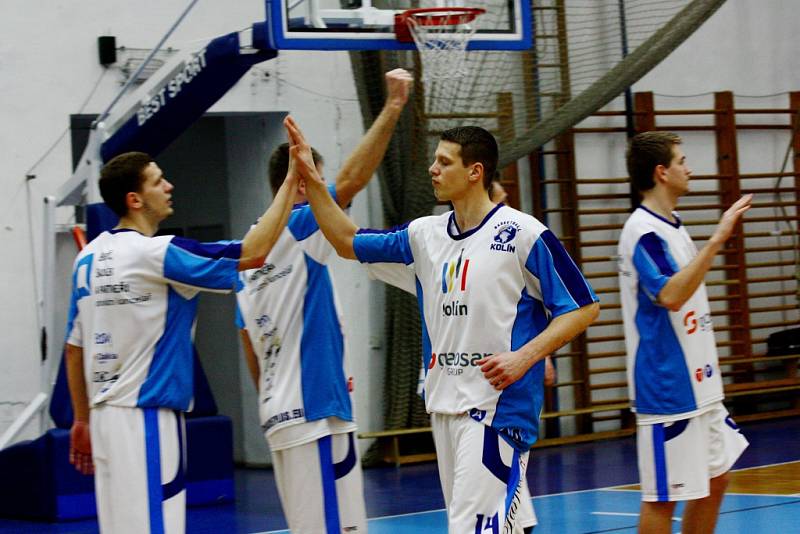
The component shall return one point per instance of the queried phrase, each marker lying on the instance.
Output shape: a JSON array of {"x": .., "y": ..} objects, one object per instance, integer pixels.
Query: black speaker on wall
[{"x": 107, "y": 49}]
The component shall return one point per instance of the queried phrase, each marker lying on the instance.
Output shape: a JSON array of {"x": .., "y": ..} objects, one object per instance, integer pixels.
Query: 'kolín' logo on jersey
[{"x": 506, "y": 232}]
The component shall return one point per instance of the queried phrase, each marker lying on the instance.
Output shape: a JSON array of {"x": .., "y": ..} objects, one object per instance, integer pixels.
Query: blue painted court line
[{"x": 609, "y": 510}]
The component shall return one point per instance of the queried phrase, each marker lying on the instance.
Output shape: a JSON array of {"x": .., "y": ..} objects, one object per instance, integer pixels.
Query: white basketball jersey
[
  {"x": 481, "y": 292},
  {"x": 289, "y": 309},
  {"x": 132, "y": 310},
  {"x": 673, "y": 369}
]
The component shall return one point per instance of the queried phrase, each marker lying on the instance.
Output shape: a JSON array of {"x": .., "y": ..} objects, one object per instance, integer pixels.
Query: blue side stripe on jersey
[
  {"x": 660, "y": 463},
  {"x": 153, "y": 455},
  {"x": 187, "y": 267},
  {"x": 239, "y": 318},
  {"x": 427, "y": 357},
  {"x": 391, "y": 246},
  {"x": 653, "y": 263},
  {"x": 330, "y": 500},
  {"x": 563, "y": 286},
  {"x": 517, "y": 411},
  {"x": 302, "y": 223},
  {"x": 341, "y": 469},
  {"x": 169, "y": 382},
  {"x": 79, "y": 290},
  {"x": 658, "y": 251},
  {"x": 663, "y": 382},
  {"x": 213, "y": 250},
  {"x": 322, "y": 350}
]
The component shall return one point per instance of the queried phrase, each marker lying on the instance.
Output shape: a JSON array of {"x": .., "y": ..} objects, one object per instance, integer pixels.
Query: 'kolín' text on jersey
[{"x": 455, "y": 308}]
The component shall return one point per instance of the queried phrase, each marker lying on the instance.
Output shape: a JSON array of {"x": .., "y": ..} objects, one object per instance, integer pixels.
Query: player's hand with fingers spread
[
  {"x": 729, "y": 219},
  {"x": 504, "y": 368},
  {"x": 80, "y": 447},
  {"x": 398, "y": 85}
]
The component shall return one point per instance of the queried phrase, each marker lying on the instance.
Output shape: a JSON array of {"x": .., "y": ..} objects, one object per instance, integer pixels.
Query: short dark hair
[
  {"x": 645, "y": 152},
  {"x": 477, "y": 145},
  {"x": 279, "y": 165},
  {"x": 120, "y": 176}
]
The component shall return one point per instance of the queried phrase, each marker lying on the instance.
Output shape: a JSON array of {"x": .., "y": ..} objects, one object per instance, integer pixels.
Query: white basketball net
[{"x": 442, "y": 47}]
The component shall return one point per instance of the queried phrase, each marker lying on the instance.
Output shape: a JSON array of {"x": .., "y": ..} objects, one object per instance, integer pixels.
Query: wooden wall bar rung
[
  {"x": 604, "y": 370},
  {"x": 604, "y": 339},
  {"x": 609, "y": 385},
  {"x": 608, "y": 354},
  {"x": 767, "y": 294},
  {"x": 772, "y": 324}
]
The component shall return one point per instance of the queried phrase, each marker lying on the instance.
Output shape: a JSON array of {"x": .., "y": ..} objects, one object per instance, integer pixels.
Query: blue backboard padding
[{"x": 224, "y": 65}]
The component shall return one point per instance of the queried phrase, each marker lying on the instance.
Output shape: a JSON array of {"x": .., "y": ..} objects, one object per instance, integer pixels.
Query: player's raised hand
[
  {"x": 80, "y": 447},
  {"x": 301, "y": 160},
  {"x": 504, "y": 368},
  {"x": 398, "y": 85},
  {"x": 729, "y": 219}
]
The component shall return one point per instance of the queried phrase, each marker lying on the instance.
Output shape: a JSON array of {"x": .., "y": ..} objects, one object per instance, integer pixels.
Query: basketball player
[
  {"x": 686, "y": 440},
  {"x": 132, "y": 311},
  {"x": 497, "y": 293},
  {"x": 296, "y": 350}
]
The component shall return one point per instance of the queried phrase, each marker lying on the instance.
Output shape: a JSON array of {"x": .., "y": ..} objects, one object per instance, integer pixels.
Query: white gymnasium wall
[{"x": 48, "y": 67}]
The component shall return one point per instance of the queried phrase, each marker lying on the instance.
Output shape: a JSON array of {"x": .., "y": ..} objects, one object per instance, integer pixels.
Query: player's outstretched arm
[
  {"x": 682, "y": 285},
  {"x": 260, "y": 239},
  {"x": 337, "y": 227},
  {"x": 361, "y": 164},
  {"x": 505, "y": 368},
  {"x": 80, "y": 443}
]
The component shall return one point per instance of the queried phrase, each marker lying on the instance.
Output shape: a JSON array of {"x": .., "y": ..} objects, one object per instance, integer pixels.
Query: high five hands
[{"x": 301, "y": 161}]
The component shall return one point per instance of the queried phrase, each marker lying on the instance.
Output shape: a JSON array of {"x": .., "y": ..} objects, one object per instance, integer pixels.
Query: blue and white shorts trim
[{"x": 677, "y": 459}]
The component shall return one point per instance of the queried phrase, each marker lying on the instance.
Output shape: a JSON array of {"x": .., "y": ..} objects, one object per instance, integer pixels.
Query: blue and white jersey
[
  {"x": 132, "y": 310},
  {"x": 290, "y": 311},
  {"x": 673, "y": 369},
  {"x": 481, "y": 292}
]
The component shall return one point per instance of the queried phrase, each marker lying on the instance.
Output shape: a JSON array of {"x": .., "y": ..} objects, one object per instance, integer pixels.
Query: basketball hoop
[{"x": 441, "y": 35}]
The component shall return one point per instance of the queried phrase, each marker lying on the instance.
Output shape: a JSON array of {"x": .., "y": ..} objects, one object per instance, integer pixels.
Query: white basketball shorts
[
  {"x": 139, "y": 460},
  {"x": 320, "y": 486},
  {"x": 677, "y": 460},
  {"x": 481, "y": 476}
]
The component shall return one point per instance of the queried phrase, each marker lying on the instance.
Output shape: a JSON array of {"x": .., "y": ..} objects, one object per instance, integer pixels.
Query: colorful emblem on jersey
[
  {"x": 506, "y": 232},
  {"x": 454, "y": 274}
]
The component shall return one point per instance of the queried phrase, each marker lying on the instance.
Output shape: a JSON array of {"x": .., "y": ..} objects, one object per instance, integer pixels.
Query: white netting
[{"x": 442, "y": 37}]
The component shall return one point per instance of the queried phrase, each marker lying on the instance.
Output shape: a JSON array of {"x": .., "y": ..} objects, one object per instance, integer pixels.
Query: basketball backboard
[{"x": 370, "y": 24}]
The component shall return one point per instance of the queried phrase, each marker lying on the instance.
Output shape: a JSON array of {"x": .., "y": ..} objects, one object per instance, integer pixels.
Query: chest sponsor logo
[
  {"x": 693, "y": 323},
  {"x": 454, "y": 363},
  {"x": 505, "y": 233},
  {"x": 454, "y": 274},
  {"x": 270, "y": 339},
  {"x": 454, "y": 281},
  {"x": 266, "y": 275},
  {"x": 701, "y": 373}
]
